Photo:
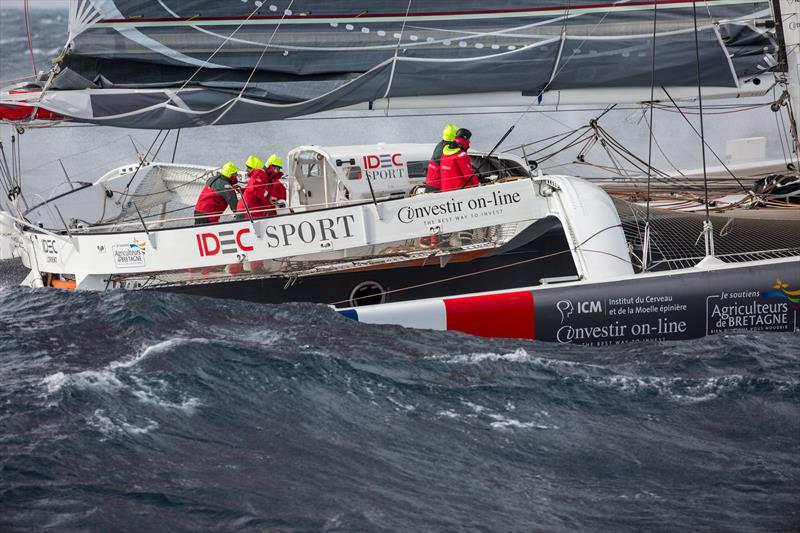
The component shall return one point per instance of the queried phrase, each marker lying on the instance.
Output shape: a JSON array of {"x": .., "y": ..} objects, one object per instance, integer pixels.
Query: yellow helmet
[
  {"x": 449, "y": 132},
  {"x": 254, "y": 162},
  {"x": 229, "y": 169},
  {"x": 274, "y": 161}
]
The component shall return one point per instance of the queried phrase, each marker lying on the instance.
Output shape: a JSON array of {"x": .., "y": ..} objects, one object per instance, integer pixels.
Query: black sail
[{"x": 182, "y": 63}]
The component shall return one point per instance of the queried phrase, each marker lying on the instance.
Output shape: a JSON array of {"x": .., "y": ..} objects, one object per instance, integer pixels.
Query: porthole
[{"x": 367, "y": 293}]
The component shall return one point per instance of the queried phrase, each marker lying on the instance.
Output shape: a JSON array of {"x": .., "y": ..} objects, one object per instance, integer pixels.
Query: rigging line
[
  {"x": 461, "y": 276},
  {"x": 702, "y": 131},
  {"x": 781, "y": 133},
  {"x": 564, "y": 64},
  {"x": 82, "y": 152},
  {"x": 628, "y": 154},
  {"x": 664, "y": 155},
  {"x": 161, "y": 145},
  {"x": 793, "y": 129},
  {"x": 646, "y": 245},
  {"x": 501, "y": 267},
  {"x": 258, "y": 63},
  {"x": 175, "y": 148},
  {"x": 614, "y": 162},
  {"x": 727, "y": 112},
  {"x": 563, "y": 134},
  {"x": 744, "y": 189},
  {"x": 394, "y": 60},
  {"x": 562, "y": 139},
  {"x": 30, "y": 39},
  {"x": 9, "y": 82},
  {"x": 209, "y": 58},
  {"x": 620, "y": 148},
  {"x": 585, "y": 137},
  {"x": 139, "y": 166}
]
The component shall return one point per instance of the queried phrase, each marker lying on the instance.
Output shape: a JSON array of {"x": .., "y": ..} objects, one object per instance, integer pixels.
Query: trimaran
[{"x": 526, "y": 255}]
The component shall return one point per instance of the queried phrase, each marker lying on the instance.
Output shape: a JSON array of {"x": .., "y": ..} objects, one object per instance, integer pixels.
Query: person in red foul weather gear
[
  {"x": 457, "y": 171},
  {"x": 276, "y": 191},
  {"x": 218, "y": 194},
  {"x": 433, "y": 178},
  {"x": 254, "y": 197}
]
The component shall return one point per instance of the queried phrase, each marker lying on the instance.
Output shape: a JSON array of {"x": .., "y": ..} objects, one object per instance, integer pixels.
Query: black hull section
[
  {"x": 519, "y": 267},
  {"x": 680, "y": 305}
]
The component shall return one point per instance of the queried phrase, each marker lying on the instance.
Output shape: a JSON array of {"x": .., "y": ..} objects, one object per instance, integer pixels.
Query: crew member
[
  {"x": 457, "y": 171},
  {"x": 218, "y": 194},
  {"x": 254, "y": 198},
  {"x": 276, "y": 191},
  {"x": 433, "y": 179}
]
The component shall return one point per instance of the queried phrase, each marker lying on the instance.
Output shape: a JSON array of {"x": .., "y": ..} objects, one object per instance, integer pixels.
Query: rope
[
  {"x": 564, "y": 64},
  {"x": 394, "y": 60},
  {"x": 781, "y": 132},
  {"x": 700, "y": 103},
  {"x": 258, "y": 63},
  {"x": 493, "y": 269},
  {"x": 702, "y": 138},
  {"x": 646, "y": 246},
  {"x": 30, "y": 39},
  {"x": 209, "y": 58}
]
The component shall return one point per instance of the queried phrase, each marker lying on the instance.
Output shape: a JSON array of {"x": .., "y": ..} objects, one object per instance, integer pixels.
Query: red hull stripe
[
  {"x": 509, "y": 315},
  {"x": 367, "y": 16}
]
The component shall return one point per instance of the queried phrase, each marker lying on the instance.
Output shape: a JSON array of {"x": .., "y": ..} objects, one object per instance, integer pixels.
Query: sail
[{"x": 183, "y": 63}]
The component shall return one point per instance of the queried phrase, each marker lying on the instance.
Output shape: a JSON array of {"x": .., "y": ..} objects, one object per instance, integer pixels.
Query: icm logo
[
  {"x": 222, "y": 242},
  {"x": 565, "y": 308},
  {"x": 590, "y": 307}
]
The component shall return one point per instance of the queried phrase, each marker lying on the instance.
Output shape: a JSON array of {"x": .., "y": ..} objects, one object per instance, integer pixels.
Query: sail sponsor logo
[
  {"x": 133, "y": 254},
  {"x": 384, "y": 166},
  {"x": 429, "y": 213}
]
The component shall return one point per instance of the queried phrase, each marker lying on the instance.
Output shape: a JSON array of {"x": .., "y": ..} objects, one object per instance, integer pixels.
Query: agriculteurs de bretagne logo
[{"x": 783, "y": 292}]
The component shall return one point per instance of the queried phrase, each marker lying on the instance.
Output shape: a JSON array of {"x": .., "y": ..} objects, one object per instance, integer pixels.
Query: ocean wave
[
  {"x": 694, "y": 390},
  {"x": 122, "y": 376},
  {"x": 113, "y": 427}
]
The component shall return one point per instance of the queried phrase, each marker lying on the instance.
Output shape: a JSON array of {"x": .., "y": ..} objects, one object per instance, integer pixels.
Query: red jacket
[
  {"x": 457, "y": 171},
  {"x": 262, "y": 187},
  {"x": 216, "y": 196},
  {"x": 434, "y": 176}
]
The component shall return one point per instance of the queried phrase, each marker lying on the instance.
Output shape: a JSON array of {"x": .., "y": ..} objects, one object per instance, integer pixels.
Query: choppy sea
[{"x": 158, "y": 412}]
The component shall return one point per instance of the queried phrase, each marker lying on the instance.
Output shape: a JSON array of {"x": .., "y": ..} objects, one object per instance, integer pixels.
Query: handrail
[{"x": 34, "y": 227}]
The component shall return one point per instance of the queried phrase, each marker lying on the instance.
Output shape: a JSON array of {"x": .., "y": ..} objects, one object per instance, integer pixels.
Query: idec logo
[
  {"x": 383, "y": 166},
  {"x": 213, "y": 243},
  {"x": 382, "y": 161}
]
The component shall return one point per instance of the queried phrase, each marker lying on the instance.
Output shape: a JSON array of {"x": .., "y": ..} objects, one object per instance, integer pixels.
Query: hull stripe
[{"x": 507, "y": 315}]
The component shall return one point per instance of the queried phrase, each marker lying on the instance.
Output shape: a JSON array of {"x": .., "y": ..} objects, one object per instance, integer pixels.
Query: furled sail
[{"x": 182, "y": 63}]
